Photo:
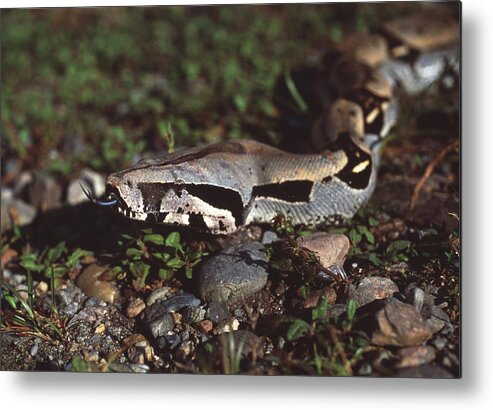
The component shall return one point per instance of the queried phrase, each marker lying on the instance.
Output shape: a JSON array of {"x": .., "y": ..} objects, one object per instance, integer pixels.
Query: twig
[{"x": 429, "y": 170}]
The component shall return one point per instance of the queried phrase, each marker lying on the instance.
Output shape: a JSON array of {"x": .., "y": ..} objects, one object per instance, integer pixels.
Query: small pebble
[
  {"x": 159, "y": 294},
  {"x": 226, "y": 326},
  {"x": 175, "y": 303},
  {"x": 415, "y": 356},
  {"x": 206, "y": 326},
  {"x": 135, "y": 307},
  {"x": 91, "y": 285},
  {"x": 269, "y": 237}
]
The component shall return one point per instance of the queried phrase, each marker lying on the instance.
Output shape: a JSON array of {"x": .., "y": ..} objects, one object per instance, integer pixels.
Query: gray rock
[
  {"x": 234, "y": 273},
  {"x": 370, "y": 289},
  {"x": 175, "y": 303},
  {"x": 89, "y": 179},
  {"x": 334, "y": 311},
  {"x": 400, "y": 325},
  {"x": 159, "y": 294},
  {"x": 418, "y": 297},
  {"x": 269, "y": 237},
  {"x": 193, "y": 314},
  {"x": 157, "y": 320},
  {"x": 217, "y": 312}
]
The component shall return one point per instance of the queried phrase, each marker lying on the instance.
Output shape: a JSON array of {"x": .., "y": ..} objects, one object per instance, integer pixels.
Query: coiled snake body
[{"x": 219, "y": 187}]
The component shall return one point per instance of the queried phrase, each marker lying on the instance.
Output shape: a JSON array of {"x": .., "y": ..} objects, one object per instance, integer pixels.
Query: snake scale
[{"x": 219, "y": 187}]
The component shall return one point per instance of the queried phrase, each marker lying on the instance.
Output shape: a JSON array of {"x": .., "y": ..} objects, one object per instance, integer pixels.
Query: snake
[{"x": 218, "y": 188}]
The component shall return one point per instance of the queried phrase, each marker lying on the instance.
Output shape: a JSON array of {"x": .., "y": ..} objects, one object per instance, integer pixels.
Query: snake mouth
[{"x": 111, "y": 200}]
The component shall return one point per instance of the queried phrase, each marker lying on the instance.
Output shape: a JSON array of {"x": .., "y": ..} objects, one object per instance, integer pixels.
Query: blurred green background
[{"x": 98, "y": 86}]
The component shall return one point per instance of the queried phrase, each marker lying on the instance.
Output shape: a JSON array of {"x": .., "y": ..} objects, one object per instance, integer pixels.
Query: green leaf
[
  {"x": 366, "y": 233},
  {"x": 189, "y": 273},
  {"x": 351, "y": 309},
  {"x": 320, "y": 312},
  {"x": 29, "y": 262},
  {"x": 79, "y": 365},
  {"x": 156, "y": 239},
  {"x": 133, "y": 252},
  {"x": 398, "y": 246},
  {"x": 54, "y": 253},
  {"x": 176, "y": 263},
  {"x": 355, "y": 236},
  {"x": 11, "y": 301},
  {"x": 76, "y": 255},
  {"x": 373, "y": 258},
  {"x": 165, "y": 274},
  {"x": 162, "y": 256},
  {"x": 372, "y": 221},
  {"x": 173, "y": 239},
  {"x": 297, "y": 329}
]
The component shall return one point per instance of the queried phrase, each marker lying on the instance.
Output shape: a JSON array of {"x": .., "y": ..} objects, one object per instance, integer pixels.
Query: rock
[
  {"x": 217, "y": 312},
  {"x": 415, "y": 356},
  {"x": 159, "y": 294},
  {"x": 331, "y": 249},
  {"x": 205, "y": 326},
  {"x": 370, "y": 289},
  {"x": 41, "y": 288},
  {"x": 90, "y": 283},
  {"x": 226, "y": 326},
  {"x": 89, "y": 179},
  {"x": 426, "y": 371},
  {"x": 15, "y": 212},
  {"x": 437, "y": 319},
  {"x": 44, "y": 193},
  {"x": 269, "y": 237},
  {"x": 193, "y": 314},
  {"x": 334, "y": 311},
  {"x": 234, "y": 273},
  {"x": 135, "y": 307},
  {"x": 175, "y": 303},
  {"x": 418, "y": 297},
  {"x": 400, "y": 325},
  {"x": 157, "y": 320}
]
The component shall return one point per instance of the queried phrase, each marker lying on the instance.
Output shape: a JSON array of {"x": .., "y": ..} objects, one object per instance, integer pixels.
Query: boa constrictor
[{"x": 219, "y": 187}]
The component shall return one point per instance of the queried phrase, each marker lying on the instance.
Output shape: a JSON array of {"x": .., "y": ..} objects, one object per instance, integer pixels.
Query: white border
[{"x": 48, "y": 390}]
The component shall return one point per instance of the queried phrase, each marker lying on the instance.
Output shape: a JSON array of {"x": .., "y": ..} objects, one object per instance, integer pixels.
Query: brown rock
[
  {"x": 400, "y": 325},
  {"x": 331, "y": 249},
  {"x": 206, "y": 326},
  {"x": 415, "y": 356},
  {"x": 370, "y": 289},
  {"x": 135, "y": 307},
  {"x": 91, "y": 284}
]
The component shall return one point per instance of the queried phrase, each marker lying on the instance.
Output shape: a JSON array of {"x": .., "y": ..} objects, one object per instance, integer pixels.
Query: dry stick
[{"x": 429, "y": 170}]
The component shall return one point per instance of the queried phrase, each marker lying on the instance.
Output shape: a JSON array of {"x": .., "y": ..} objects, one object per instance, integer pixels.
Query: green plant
[{"x": 154, "y": 252}]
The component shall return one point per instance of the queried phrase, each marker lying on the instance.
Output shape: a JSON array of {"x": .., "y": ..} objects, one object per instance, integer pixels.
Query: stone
[
  {"x": 217, "y": 312},
  {"x": 157, "y": 320},
  {"x": 135, "y": 307},
  {"x": 370, "y": 289},
  {"x": 234, "y": 273},
  {"x": 41, "y": 288},
  {"x": 175, "y": 303},
  {"x": 331, "y": 249},
  {"x": 205, "y": 326},
  {"x": 91, "y": 284},
  {"x": 227, "y": 325},
  {"x": 15, "y": 212},
  {"x": 334, "y": 311},
  {"x": 159, "y": 294},
  {"x": 400, "y": 325},
  {"x": 90, "y": 180},
  {"x": 269, "y": 237},
  {"x": 44, "y": 193},
  {"x": 193, "y": 314},
  {"x": 415, "y": 356}
]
